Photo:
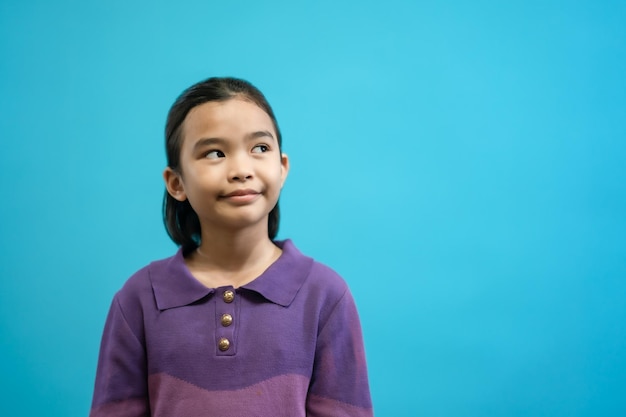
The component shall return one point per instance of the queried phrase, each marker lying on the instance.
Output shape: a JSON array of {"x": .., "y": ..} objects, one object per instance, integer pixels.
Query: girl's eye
[
  {"x": 214, "y": 154},
  {"x": 260, "y": 149}
]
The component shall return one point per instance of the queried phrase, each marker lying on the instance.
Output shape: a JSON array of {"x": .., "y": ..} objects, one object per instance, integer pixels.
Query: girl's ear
[
  {"x": 284, "y": 168},
  {"x": 174, "y": 184}
]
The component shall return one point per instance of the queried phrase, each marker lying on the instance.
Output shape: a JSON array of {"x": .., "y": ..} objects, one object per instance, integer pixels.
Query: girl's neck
[{"x": 232, "y": 258}]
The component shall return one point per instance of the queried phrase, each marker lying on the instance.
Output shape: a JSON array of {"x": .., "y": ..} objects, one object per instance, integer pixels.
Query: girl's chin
[{"x": 240, "y": 222}]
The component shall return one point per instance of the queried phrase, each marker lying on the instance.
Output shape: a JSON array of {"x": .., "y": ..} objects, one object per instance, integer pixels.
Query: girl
[{"x": 235, "y": 324}]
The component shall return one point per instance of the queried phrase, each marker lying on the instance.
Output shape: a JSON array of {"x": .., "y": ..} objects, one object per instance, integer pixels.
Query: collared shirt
[{"x": 287, "y": 344}]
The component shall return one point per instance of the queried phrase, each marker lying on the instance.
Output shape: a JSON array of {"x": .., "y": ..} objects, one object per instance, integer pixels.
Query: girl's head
[{"x": 203, "y": 100}]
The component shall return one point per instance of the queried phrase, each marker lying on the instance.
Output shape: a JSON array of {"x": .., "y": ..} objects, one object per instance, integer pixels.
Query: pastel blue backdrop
[{"x": 460, "y": 163}]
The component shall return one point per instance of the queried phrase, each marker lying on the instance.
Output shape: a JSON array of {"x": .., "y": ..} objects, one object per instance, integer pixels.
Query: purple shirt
[{"x": 287, "y": 344}]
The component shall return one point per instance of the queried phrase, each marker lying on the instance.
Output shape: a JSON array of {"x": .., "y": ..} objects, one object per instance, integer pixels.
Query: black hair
[{"x": 181, "y": 221}]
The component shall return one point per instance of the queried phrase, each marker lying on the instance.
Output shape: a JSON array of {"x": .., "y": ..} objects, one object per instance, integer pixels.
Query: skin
[{"x": 232, "y": 172}]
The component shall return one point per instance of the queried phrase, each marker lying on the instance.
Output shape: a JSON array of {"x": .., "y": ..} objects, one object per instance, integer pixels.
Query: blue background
[{"x": 460, "y": 163}]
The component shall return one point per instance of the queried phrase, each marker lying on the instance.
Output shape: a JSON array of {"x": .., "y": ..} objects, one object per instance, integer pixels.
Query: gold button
[
  {"x": 223, "y": 344},
  {"x": 229, "y": 296},
  {"x": 227, "y": 320}
]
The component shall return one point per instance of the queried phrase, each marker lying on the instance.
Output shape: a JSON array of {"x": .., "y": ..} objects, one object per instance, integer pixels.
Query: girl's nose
[
  {"x": 241, "y": 170},
  {"x": 241, "y": 177}
]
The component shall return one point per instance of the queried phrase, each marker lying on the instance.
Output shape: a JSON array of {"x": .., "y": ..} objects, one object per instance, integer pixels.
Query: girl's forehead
[{"x": 226, "y": 117}]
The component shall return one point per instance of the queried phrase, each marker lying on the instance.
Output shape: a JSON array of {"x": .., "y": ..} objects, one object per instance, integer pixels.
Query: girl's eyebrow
[
  {"x": 259, "y": 134},
  {"x": 207, "y": 142},
  {"x": 204, "y": 142}
]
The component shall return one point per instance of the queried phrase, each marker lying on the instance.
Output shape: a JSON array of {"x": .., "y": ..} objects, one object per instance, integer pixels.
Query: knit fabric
[{"x": 287, "y": 344}]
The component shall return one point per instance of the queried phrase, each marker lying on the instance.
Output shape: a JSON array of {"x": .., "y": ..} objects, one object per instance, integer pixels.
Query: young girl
[{"x": 235, "y": 324}]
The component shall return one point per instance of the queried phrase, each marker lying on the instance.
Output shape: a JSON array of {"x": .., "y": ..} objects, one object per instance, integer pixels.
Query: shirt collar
[{"x": 174, "y": 286}]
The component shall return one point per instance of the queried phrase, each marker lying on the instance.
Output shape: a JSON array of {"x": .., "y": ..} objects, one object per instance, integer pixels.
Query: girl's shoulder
[
  {"x": 323, "y": 275},
  {"x": 325, "y": 293},
  {"x": 320, "y": 277},
  {"x": 158, "y": 266},
  {"x": 139, "y": 287}
]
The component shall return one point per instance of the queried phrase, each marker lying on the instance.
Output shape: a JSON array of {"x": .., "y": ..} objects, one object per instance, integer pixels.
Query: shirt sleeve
[
  {"x": 339, "y": 385},
  {"x": 121, "y": 379}
]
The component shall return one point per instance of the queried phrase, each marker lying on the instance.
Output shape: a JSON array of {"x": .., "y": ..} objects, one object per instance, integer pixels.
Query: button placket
[{"x": 226, "y": 321}]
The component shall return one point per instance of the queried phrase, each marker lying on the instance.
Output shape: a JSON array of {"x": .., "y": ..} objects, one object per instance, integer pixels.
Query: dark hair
[{"x": 181, "y": 221}]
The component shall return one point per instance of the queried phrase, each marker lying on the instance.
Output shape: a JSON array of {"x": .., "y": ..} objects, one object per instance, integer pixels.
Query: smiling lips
[{"x": 241, "y": 196}]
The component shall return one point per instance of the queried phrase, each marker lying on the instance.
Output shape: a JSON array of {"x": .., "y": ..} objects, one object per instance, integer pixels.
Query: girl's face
[{"x": 232, "y": 168}]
